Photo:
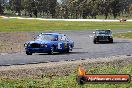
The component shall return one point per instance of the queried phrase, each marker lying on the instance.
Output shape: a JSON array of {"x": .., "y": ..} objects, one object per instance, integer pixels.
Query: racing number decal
[{"x": 59, "y": 45}]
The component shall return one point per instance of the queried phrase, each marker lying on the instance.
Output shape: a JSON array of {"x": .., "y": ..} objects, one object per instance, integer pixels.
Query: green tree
[
  {"x": 16, "y": 6},
  {"x": 115, "y": 6},
  {"x": 130, "y": 9},
  {"x": 104, "y": 8},
  {"x": 52, "y": 7},
  {"x": 1, "y": 7}
]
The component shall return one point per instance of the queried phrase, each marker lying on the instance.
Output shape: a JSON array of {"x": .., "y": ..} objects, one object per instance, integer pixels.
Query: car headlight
[
  {"x": 26, "y": 45},
  {"x": 95, "y": 37},
  {"x": 44, "y": 45},
  {"x": 111, "y": 37}
]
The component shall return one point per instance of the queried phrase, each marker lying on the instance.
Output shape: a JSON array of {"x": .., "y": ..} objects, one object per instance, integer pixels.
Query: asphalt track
[{"x": 84, "y": 49}]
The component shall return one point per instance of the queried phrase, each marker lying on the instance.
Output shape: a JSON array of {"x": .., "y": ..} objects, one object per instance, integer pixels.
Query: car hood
[
  {"x": 102, "y": 35},
  {"x": 40, "y": 41}
]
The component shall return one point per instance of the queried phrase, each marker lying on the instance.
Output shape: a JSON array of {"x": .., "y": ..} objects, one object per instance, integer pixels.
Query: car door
[{"x": 62, "y": 43}]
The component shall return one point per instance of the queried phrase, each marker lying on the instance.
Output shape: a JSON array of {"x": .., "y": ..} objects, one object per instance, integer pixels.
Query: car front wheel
[
  {"x": 111, "y": 40},
  {"x": 95, "y": 42},
  {"x": 51, "y": 50},
  {"x": 28, "y": 53}
]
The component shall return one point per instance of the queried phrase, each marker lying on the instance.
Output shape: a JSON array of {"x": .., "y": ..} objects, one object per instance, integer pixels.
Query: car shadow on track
[
  {"x": 116, "y": 42},
  {"x": 121, "y": 42},
  {"x": 77, "y": 53},
  {"x": 70, "y": 53},
  {"x": 78, "y": 48},
  {"x": 103, "y": 43}
]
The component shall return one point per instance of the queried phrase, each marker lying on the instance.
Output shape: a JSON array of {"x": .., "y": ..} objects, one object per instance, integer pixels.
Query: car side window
[
  {"x": 62, "y": 38},
  {"x": 59, "y": 38}
]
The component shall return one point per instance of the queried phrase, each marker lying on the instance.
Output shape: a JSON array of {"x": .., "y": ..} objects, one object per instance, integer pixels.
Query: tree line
[{"x": 67, "y": 8}]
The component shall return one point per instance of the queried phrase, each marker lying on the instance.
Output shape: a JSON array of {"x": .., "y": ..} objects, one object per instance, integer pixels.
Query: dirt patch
[
  {"x": 11, "y": 42},
  {"x": 63, "y": 68}
]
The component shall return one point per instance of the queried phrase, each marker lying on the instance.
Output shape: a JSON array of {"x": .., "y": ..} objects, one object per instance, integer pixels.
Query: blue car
[{"x": 49, "y": 43}]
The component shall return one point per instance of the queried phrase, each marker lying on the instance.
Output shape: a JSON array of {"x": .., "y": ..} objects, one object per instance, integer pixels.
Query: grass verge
[
  {"x": 123, "y": 35},
  {"x": 11, "y": 25},
  {"x": 69, "y": 81}
]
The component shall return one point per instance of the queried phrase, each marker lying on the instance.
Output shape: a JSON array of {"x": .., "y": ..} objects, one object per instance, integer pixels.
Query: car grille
[
  {"x": 103, "y": 37},
  {"x": 35, "y": 45}
]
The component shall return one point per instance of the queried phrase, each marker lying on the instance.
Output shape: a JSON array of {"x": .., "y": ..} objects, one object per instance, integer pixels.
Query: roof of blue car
[{"x": 52, "y": 33}]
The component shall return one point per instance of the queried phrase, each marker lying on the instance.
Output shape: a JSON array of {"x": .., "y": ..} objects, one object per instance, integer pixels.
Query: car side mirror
[{"x": 35, "y": 38}]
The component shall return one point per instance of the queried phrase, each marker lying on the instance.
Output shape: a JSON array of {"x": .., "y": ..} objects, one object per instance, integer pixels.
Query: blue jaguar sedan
[{"x": 49, "y": 43}]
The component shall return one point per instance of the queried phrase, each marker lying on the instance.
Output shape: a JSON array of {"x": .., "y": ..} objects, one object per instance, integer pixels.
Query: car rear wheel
[
  {"x": 28, "y": 53},
  {"x": 69, "y": 49}
]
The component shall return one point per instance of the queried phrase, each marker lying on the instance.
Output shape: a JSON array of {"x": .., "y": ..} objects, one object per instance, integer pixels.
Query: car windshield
[
  {"x": 100, "y": 32},
  {"x": 46, "y": 37}
]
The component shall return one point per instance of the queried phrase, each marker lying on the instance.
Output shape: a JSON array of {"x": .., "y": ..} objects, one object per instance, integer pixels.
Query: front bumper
[
  {"x": 103, "y": 39},
  {"x": 38, "y": 50}
]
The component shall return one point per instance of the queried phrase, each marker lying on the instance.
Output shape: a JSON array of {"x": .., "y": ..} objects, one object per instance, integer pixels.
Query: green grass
[
  {"x": 123, "y": 35},
  {"x": 11, "y": 25},
  {"x": 69, "y": 81}
]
